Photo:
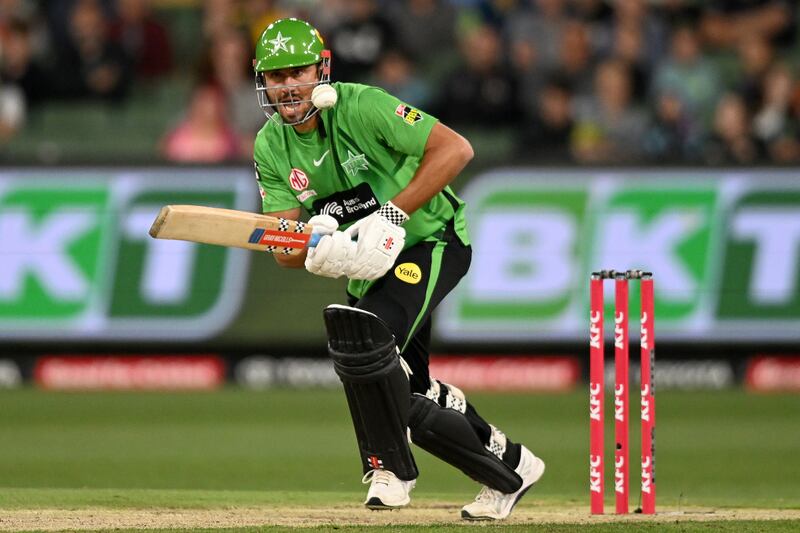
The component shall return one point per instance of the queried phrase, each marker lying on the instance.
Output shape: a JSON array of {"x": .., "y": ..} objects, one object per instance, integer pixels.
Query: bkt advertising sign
[
  {"x": 724, "y": 249},
  {"x": 76, "y": 260}
]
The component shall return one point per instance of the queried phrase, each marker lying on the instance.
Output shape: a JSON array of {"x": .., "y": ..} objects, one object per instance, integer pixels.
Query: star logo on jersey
[
  {"x": 354, "y": 163},
  {"x": 279, "y": 43}
]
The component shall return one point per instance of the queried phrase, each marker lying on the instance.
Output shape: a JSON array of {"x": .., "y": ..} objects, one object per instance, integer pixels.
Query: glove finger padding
[
  {"x": 379, "y": 244},
  {"x": 332, "y": 256},
  {"x": 323, "y": 224}
]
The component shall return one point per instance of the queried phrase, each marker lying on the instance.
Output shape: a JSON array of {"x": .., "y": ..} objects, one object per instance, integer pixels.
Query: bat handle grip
[{"x": 315, "y": 237}]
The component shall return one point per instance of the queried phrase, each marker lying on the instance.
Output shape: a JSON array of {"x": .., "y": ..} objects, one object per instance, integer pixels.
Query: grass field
[{"x": 239, "y": 459}]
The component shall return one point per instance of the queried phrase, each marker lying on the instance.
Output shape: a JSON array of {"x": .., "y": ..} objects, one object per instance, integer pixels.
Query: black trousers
[{"x": 405, "y": 298}]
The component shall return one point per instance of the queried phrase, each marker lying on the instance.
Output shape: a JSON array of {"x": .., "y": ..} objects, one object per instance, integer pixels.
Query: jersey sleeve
[
  {"x": 395, "y": 123},
  {"x": 275, "y": 194}
]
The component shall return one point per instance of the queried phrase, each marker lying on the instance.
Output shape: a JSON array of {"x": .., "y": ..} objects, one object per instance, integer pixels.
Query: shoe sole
[
  {"x": 376, "y": 504},
  {"x": 466, "y": 516}
]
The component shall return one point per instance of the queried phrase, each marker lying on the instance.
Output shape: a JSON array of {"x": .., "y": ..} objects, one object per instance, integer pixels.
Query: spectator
[
  {"x": 535, "y": 44},
  {"x": 395, "y": 74},
  {"x": 143, "y": 39},
  {"x": 19, "y": 67},
  {"x": 771, "y": 124},
  {"x": 676, "y": 13},
  {"x": 92, "y": 66},
  {"x": 258, "y": 14},
  {"x": 732, "y": 141},
  {"x": 592, "y": 12},
  {"x": 17, "y": 10},
  {"x": 541, "y": 30},
  {"x": 329, "y": 18},
  {"x": 725, "y": 22},
  {"x": 755, "y": 58},
  {"x": 628, "y": 47},
  {"x": 360, "y": 41},
  {"x": 12, "y": 111},
  {"x": 228, "y": 67},
  {"x": 483, "y": 92},
  {"x": 219, "y": 15},
  {"x": 688, "y": 75},
  {"x": 608, "y": 128},
  {"x": 576, "y": 63},
  {"x": 635, "y": 15},
  {"x": 672, "y": 137},
  {"x": 546, "y": 137},
  {"x": 426, "y": 28},
  {"x": 27, "y": 13},
  {"x": 204, "y": 136}
]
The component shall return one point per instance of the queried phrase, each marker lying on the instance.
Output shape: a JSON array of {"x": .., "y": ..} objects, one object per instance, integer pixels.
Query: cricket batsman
[{"x": 374, "y": 173}]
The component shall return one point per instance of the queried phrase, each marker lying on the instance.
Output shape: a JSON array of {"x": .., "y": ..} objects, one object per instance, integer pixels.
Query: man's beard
[{"x": 293, "y": 107}]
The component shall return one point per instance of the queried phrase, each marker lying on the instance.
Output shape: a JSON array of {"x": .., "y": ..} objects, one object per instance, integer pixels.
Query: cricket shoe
[
  {"x": 386, "y": 491},
  {"x": 492, "y": 504}
]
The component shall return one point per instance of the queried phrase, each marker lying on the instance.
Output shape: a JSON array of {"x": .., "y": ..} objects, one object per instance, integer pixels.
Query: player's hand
[
  {"x": 323, "y": 224},
  {"x": 380, "y": 241},
  {"x": 332, "y": 256}
]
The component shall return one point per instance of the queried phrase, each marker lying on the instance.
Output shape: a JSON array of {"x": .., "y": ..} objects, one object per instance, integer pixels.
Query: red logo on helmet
[{"x": 298, "y": 179}]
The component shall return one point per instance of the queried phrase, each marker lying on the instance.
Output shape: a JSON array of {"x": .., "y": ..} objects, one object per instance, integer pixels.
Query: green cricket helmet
[{"x": 289, "y": 43}]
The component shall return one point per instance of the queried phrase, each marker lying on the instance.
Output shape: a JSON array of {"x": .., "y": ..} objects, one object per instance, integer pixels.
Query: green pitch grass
[{"x": 251, "y": 449}]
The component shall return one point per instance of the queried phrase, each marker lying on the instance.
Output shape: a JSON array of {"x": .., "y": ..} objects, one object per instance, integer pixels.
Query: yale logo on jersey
[
  {"x": 408, "y": 272},
  {"x": 410, "y": 115}
]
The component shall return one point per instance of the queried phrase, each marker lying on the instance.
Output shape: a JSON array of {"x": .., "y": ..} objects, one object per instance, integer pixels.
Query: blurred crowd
[{"x": 586, "y": 81}]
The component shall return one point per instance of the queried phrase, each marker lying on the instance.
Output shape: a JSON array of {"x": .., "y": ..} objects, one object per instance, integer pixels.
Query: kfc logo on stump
[{"x": 298, "y": 179}]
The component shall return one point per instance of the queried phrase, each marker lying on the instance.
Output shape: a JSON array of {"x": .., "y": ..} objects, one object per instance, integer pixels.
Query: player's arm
[
  {"x": 446, "y": 154},
  {"x": 289, "y": 261},
  {"x": 442, "y": 152}
]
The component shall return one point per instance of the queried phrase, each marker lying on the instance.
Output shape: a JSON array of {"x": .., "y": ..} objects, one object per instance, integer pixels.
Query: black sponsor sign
[{"x": 348, "y": 206}]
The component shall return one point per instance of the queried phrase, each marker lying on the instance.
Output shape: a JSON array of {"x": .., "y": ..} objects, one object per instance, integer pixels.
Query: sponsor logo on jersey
[
  {"x": 298, "y": 179},
  {"x": 333, "y": 209},
  {"x": 305, "y": 195},
  {"x": 348, "y": 206},
  {"x": 318, "y": 162},
  {"x": 408, "y": 272},
  {"x": 261, "y": 190},
  {"x": 354, "y": 163},
  {"x": 409, "y": 115}
]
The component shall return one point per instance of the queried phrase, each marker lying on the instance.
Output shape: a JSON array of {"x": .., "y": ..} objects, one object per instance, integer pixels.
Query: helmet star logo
[
  {"x": 354, "y": 163},
  {"x": 279, "y": 43}
]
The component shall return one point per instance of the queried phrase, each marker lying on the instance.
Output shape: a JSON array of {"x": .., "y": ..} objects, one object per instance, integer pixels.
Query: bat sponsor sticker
[
  {"x": 408, "y": 272},
  {"x": 285, "y": 239},
  {"x": 298, "y": 179},
  {"x": 409, "y": 115}
]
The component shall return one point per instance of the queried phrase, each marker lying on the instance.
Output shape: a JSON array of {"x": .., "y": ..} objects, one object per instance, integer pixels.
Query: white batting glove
[
  {"x": 332, "y": 256},
  {"x": 323, "y": 224},
  {"x": 380, "y": 241}
]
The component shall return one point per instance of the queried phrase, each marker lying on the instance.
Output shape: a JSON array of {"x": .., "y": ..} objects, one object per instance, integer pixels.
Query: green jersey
[{"x": 367, "y": 151}]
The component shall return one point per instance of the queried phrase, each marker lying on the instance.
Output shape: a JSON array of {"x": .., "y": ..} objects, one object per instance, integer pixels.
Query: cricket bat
[{"x": 227, "y": 227}]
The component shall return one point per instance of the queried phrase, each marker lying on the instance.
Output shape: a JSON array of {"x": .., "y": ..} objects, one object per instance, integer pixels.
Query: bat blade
[{"x": 227, "y": 227}]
